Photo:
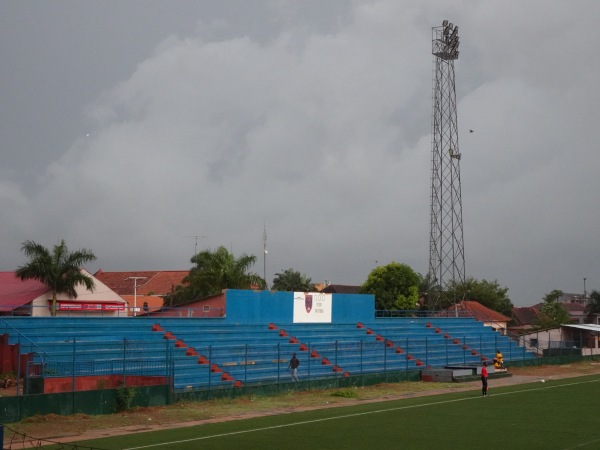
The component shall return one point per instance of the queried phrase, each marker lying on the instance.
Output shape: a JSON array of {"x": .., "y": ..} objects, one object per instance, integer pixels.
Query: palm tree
[
  {"x": 215, "y": 271},
  {"x": 59, "y": 270},
  {"x": 293, "y": 281}
]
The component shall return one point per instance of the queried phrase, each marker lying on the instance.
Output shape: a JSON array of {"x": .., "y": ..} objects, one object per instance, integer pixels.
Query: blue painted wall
[
  {"x": 248, "y": 307},
  {"x": 350, "y": 308},
  {"x": 263, "y": 307}
]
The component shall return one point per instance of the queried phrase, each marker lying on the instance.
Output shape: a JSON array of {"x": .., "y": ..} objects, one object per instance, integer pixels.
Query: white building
[{"x": 33, "y": 298}]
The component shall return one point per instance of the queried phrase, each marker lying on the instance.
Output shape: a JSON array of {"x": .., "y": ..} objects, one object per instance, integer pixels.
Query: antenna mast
[
  {"x": 446, "y": 245},
  {"x": 265, "y": 251},
  {"x": 196, "y": 236}
]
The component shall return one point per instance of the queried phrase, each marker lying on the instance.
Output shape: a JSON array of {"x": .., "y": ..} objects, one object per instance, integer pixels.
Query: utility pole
[
  {"x": 265, "y": 251},
  {"x": 135, "y": 279}
]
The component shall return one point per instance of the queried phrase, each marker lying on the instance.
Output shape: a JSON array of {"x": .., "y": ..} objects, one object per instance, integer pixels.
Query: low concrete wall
[
  {"x": 437, "y": 375},
  {"x": 52, "y": 385}
]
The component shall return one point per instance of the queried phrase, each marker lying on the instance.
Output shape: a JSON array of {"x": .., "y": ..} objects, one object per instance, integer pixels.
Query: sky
[{"x": 148, "y": 130}]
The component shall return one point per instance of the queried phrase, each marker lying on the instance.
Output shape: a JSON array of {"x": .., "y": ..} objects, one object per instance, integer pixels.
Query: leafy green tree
[
  {"x": 60, "y": 269},
  {"x": 395, "y": 286},
  {"x": 553, "y": 313},
  {"x": 489, "y": 293},
  {"x": 553, "y": 296},
  {"x": 214, "y": 271},
  {"x": 437, "y": 297},
  {"x": 293, "y": 281}
]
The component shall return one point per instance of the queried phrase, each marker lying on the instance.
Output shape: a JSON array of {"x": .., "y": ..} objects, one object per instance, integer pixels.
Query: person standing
[
  {"x": 293, "y": 366},
  {"x": 484, "y": 379}
]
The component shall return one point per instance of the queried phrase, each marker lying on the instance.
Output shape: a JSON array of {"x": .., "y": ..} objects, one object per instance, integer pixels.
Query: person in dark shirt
[
  {"x": 293, "y": 366},
  {"x": 484, "y": 381}
]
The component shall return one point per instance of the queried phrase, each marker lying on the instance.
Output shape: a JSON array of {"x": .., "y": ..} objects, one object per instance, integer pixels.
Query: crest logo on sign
[{"x": 308, "y": 302}]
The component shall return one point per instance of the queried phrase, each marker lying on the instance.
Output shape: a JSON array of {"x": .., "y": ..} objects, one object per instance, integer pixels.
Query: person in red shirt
[{"x": 484, "y": 377}]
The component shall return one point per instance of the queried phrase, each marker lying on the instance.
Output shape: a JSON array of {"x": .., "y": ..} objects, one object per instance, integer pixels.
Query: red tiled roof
[
  {"x": 155, "y": 282},
  {"x": 574, "y": 307},
  {"x": 525, "y": 315},
  {"x": 480, "y": 312},
  {"x": 15, "y": 292}
]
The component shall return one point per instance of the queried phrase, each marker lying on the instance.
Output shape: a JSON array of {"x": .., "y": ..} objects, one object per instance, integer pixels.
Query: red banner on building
[{"x": 90, "y": 306}]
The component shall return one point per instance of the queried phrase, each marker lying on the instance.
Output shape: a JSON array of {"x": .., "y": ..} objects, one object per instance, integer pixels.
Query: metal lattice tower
[{"x": 446, "y": 246}]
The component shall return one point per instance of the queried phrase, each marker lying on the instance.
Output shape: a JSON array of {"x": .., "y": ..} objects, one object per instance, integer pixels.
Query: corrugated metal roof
[
  {"x": 15, "y": 292},
  {"x": 587, "y": 326}
]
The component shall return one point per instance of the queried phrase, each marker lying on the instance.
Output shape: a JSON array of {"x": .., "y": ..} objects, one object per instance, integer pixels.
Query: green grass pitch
[{"x": 559, "y": 414}]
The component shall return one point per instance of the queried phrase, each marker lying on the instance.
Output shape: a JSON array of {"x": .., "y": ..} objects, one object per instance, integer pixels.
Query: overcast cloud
[{"x": 128, "y": 126}]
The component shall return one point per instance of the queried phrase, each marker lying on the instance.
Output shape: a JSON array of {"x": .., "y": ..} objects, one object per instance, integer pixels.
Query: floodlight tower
[{"x": 446, "y": 246}]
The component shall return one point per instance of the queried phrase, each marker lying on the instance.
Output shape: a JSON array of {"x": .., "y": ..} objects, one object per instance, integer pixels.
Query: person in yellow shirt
[{"x": 499, "y": 360}]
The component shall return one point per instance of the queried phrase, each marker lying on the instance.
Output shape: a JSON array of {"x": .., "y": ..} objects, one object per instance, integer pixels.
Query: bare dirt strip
[{"x": 80, "y": 427}]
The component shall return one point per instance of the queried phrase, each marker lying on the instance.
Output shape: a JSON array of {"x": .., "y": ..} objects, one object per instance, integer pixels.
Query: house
[
  {"x": 577, "y": 312},
  {"x": 33, "y": 298},
  {"x": 576, "y": 305},
  {"x": 580, "y": 339},
  {"x": 144, "y": 291},
  {"x": 524, "y": 318},
  {"x": 540, "y": 341},
  {"x": 340, "y": 289},
  {"x": 489, "y": 317},
  {"x": 211, "y": 306},
  {"x": 584, "y": 336},
  {"x": 567, "y": 298}
]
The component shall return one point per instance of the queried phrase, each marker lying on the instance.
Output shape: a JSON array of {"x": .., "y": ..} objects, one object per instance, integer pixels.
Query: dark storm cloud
[{"x": 128, "y": 126}]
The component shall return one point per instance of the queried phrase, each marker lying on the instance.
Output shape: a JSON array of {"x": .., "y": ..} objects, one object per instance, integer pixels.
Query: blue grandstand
[{"x": 334, "y": 335}]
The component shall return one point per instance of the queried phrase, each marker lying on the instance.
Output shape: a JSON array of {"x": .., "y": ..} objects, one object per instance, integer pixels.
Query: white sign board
[{"x": 312, "y": 307}]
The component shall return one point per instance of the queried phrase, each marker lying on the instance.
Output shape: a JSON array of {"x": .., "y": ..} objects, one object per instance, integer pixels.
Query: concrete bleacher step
[{"x": 260, "y": 353}]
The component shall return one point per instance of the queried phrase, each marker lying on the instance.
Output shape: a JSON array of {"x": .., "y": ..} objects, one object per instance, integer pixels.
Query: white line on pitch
[{"x": 378, "y": 411}]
